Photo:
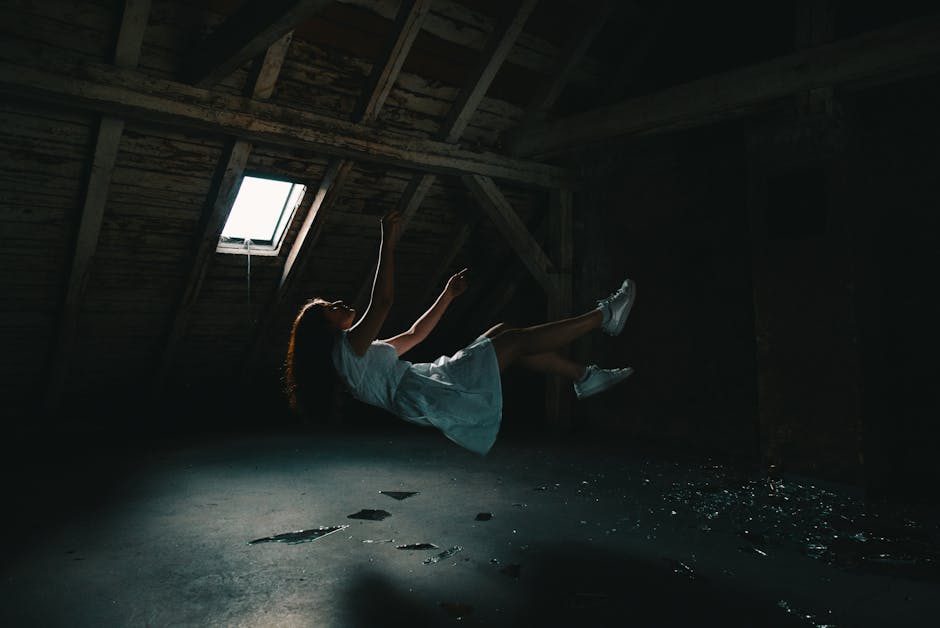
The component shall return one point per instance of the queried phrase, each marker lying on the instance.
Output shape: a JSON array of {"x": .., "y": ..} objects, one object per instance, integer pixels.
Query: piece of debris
[
  {"x": 399, "y": 495},
  {"x": 299, "y": 536},
  {"x": 418, "y": 546},
  {"x": 370, "y": 514},
  {"x": 483, "y": 516},
  {"x": 443, "y": 555}
]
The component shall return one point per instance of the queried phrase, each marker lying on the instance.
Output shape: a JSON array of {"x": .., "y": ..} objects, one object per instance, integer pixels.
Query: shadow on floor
[{"x": 576, "y": 585}]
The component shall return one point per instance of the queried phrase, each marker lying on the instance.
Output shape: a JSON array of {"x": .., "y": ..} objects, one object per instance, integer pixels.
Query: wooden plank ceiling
[{"x": 127, "y": 128}]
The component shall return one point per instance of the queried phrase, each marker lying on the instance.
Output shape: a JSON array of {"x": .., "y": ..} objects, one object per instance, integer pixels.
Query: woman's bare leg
[
  {"x": 512, "y": 343},
  {"x": 553, "y": 364}
]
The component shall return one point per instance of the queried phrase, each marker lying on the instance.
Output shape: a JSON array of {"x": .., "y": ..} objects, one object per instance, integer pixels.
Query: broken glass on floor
[
  {"x": 418, "y": 546},
  {"x": 370, "y": 514},
  {"x": 299, "y": 536},
  {"x": 443, "y": 555},
  {"x": 399, "y": 495}
]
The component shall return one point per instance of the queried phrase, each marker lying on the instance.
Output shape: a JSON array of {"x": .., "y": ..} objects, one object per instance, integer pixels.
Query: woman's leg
[
  {"x": 553, "y": 364},
  {"x": 513, "y": 343}
]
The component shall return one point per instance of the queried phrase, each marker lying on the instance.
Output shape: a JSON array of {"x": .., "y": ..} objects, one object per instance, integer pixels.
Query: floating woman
[{"x": 461, "y": 394}]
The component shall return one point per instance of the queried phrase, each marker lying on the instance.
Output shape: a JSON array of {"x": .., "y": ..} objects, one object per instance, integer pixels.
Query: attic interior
[{"x": 765, "y": 172}]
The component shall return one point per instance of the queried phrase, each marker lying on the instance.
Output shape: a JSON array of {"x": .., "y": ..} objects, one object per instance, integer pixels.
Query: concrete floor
[{"x": 583, "y": 532}]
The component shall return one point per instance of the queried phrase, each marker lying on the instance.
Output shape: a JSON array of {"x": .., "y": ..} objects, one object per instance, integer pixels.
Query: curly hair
[{"x": 310, "y": 379}]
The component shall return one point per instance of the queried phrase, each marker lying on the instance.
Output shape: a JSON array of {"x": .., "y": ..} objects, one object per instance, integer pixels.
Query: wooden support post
[{"x": 126, "y": 54}]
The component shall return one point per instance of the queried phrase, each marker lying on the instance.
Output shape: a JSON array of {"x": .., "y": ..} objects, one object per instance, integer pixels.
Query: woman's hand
[
  {"x": 457, "y": 283},
  {"x": 391, "y": 222}
]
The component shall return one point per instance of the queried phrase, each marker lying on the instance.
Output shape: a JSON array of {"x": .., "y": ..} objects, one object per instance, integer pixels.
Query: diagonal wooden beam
[
  {"x": 507, "y": 221},
  {"x": 246, "y": 34},
  {"x": 384, "y": 74},
  {"x": 576, "y": 48},
  {"x": 895, "y": 53},
  {"x": 408, "y": 23},
  {"x": 126, "y": 54},
  {"x": 105, "y": 89},
  {"x": 333, "y": 181},
  {"x": 221, "y": 198},
  {"x": 445, "y": 259},
  {"x": 491, "y": 60},
  {"x": 297, "y": 258}
]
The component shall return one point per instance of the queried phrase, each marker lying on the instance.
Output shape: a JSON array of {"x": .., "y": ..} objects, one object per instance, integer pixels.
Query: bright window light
[{"x": 261, "y": 212}]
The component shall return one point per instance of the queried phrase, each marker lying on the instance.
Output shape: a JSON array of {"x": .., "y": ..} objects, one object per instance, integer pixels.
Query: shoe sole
[
  {"x": 626, "y": 313},
  {"x": 607, "y": 386}
]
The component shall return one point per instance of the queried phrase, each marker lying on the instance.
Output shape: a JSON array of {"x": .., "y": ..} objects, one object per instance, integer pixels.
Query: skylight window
[{"x": 261, "y": 212}]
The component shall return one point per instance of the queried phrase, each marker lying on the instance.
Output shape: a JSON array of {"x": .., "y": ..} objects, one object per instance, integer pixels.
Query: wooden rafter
[
  {"x": 222, "y": 196},
  {"x": 898, "y": 52},
  {"x": 507, "y": 221},
  {"x": 460, "y": 24},
  {"x": 383, "y": 77},
  {"x": 408, "y": 23},
  {"x": 333, "y": 181},
  {"x": 494, "y": 54},
  {"x": 126, "y": 54},
  {"x": 491, "y": 59},
  {"x": 547, "y": 93},
  {"x": 446, "y": 258},
  {"x": 125, "y": 92},
  {"x": 245, "y": 35}
]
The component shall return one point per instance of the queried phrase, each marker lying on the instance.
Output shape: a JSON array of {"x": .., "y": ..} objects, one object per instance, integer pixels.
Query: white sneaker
[
  {"x": 597, "y": 380},
  {"x": 616, "y": 308}
]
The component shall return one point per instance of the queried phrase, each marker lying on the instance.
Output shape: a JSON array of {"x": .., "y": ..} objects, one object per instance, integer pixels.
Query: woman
[{"x": 461, "y": 395}]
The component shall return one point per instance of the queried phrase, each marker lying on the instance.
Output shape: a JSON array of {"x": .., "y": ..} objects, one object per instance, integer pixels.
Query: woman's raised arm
[
  {"x": 428, "y": 321},
  {"x": 367, "y": 329}
]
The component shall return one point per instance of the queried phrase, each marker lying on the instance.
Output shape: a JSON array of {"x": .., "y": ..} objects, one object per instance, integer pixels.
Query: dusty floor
[{"x": 581, "y": 534}]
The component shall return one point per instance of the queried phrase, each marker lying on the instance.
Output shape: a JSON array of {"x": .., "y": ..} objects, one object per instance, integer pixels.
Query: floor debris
[
  {"x": 299, "y": 536},
  {"x": 370, "y": 514}
]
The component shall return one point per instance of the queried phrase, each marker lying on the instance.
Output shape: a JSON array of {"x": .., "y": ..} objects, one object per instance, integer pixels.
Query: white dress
[{"x": 461, "y": 395}]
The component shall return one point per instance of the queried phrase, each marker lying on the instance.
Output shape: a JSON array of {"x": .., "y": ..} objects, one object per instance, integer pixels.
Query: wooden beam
[
  {"x": 902, "y": 51},
  {"x": 126, "y": 54},
  {"x": 333, "y": 181},
  {"x": 222, "y": 196},
  {"x": 131, "y": 36},
  {"x": 384, "y": 74},
  {"x": 445, "y": 259},
  {"x": 221, "y": 199},
  {"x": 255, "y": 25},
  {"x": 408, "y": 22},
  {"x": 297, "y": 258},
  {"x": 549, "y": 90},
  {"x": 491, "y": 59},
  {"x": 502, "y": 214},
  {"x": 462, "y": 24},
  {"x": 125, "y": 92},
  {"x": 270, "y": 67}
]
